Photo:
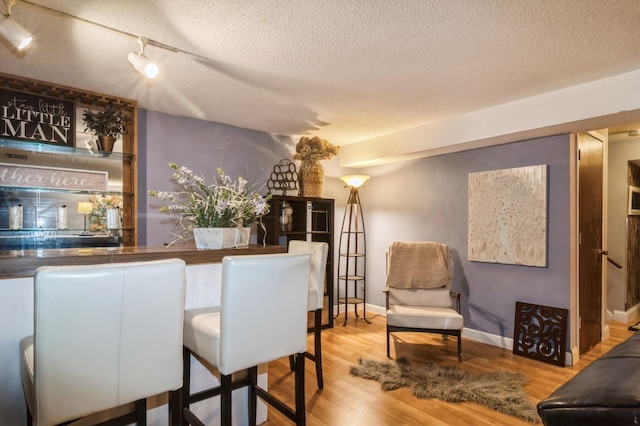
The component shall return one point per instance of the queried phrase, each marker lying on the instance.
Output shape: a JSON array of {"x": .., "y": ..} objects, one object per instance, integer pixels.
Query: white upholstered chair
[
  {"x": 262, "y": 317},
  {"x": 418, "y": 293},
  {"x": 104, "y": 336},
  {"x": 318, "y": 252}
]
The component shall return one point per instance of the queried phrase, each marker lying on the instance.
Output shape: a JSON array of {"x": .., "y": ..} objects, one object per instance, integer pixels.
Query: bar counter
[
  {"x": 23, "y": 263},
  {"x": 203, "y": 285}
]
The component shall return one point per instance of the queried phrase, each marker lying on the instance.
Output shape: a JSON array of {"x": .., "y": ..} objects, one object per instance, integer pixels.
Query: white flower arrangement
[{"x": 224, "y": 204}]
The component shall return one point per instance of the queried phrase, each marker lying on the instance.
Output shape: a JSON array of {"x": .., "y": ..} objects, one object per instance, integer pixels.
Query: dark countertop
[{"x": 23, "y": 263}]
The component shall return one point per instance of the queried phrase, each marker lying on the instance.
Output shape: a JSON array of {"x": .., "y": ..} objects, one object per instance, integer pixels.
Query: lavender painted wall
[
  {"x": 427, "y": 199},
  {"x": 201, "y": 146},
  {"x": 424, "y": 199}
]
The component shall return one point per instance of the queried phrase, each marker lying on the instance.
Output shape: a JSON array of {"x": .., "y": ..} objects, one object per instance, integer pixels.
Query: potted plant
[
  {"x": 218, "y": 215},
  {"x": 107, "y": 124}
]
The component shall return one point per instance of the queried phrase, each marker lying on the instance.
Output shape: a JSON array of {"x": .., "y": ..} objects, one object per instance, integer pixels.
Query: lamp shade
[
  {"x": 354, "y": 181},
  {"x": 143, "y": 65},
  {"x": 15, "y": 34},
  {"x": 85, "y": 207}
]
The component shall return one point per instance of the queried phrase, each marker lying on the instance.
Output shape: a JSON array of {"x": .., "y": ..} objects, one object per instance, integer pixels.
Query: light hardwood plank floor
[{"x": 353, "y": 401}]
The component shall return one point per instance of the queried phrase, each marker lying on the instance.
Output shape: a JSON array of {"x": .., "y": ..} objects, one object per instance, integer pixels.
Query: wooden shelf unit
[{"x": 312, "y": 219}]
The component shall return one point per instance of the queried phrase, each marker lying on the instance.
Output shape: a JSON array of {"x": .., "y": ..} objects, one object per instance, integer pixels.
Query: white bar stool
[
  {"x": 319, "y": 252},
  {"x": 104, "y": 336},
  {"x": 262, "y": 317}
]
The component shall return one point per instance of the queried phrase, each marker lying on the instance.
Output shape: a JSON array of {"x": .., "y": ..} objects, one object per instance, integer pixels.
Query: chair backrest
[
  {"x": 106, "y": 335},
  {"x": 433, "y": 297},
  {"x": 263, "y": 309},
  {"x": 319, "y": 252}
]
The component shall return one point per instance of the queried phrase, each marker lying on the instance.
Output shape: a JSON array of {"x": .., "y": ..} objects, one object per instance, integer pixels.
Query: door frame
[{"x": 574, "y": 210}]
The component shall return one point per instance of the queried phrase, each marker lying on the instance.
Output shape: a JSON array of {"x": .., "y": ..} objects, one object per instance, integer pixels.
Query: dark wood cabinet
[{"x": 303, "y": 218}]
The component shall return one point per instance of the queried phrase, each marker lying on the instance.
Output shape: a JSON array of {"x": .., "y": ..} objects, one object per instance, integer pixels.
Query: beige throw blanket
[{"x": 418, "y": 265}]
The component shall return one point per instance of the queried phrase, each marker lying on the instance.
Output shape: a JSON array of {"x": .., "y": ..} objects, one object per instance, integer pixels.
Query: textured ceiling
[{"x": 343, "y": 70}]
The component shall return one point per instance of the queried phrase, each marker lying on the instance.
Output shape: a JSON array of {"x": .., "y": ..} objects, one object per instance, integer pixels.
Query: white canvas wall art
[{"x": 508, "y": 216}]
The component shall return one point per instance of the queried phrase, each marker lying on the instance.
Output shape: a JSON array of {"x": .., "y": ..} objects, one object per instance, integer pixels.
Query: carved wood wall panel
[{"x": 541, "y": 333}]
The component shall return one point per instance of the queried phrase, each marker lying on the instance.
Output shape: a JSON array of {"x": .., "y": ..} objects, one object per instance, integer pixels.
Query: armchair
[{"x": 418, "y": 293}]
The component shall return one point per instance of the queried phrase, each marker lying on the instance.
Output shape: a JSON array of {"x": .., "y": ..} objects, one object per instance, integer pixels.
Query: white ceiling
[{"x": 344, "y": 70}]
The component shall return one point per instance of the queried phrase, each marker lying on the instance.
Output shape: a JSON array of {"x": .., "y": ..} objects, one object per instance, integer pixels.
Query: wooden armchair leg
[{"x": 388, "y": 352}]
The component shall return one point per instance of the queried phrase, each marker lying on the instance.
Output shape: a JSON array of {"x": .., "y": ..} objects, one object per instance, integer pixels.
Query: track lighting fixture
[
  {"x": 13, "y": 32},
  {"x": 141, "y": 63}
]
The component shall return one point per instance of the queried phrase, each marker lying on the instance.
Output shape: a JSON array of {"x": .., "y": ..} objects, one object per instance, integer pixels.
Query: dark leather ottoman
[{"x": 606, "y": 392}]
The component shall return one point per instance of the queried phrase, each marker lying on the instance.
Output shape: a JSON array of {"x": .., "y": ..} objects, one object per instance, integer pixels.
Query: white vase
[
  {"x": 15, "y": 217},
  {"x": 113, "y": 218},
  {"x": 219, "y": 238},
  {"x": 61, "y": 218}
]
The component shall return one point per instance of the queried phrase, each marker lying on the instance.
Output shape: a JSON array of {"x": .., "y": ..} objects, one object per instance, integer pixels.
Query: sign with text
[
  {"x": 36, "y": 118},
  {"x": 52, "y": 178}
]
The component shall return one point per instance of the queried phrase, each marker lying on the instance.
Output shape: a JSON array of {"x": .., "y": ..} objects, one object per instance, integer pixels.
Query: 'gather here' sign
[
  {"x": 52, "y": 178},
  {"x": 36, "y": 118}
]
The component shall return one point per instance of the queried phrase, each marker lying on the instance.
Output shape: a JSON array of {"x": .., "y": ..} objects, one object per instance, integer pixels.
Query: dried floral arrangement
[{"x": 314, "y": 149}]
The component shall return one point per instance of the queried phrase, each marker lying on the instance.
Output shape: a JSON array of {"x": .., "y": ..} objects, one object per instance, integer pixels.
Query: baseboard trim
[
  {"x": 475, "y": 335},
  {"x": 371, "y": 309},
  {"x": 487, "y": 338},
  {"x": 626, "y": 316}
]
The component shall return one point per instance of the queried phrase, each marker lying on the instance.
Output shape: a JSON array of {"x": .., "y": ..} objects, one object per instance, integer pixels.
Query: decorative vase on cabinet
[
  {"x": 311, "y": 178},
  {"x": 219, "y": 238}
]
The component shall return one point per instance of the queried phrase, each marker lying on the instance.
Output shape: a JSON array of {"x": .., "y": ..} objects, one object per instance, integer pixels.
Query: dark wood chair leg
[
  {"x": 175, "y": 407},
  {"x": 460, "y": 346},
  {"x": 253, "y": 396},
  {"x": 186, "y": 382},
  {"x": 29, "y": 418},
  {"x": 301, "y": 418},
  {"x": 225, "y": 399},
  {"x": 317, "y": 347},
  {"x": 141, "y": 412},
  {"x": 292, "y": 362}
]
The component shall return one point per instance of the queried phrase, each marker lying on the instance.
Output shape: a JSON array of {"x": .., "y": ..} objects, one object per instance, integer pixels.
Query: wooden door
[{"x": 590, "y": 169}]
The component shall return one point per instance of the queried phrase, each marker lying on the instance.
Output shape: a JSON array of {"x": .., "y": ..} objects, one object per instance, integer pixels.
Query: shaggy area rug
[{"x": 499, "y": 391}]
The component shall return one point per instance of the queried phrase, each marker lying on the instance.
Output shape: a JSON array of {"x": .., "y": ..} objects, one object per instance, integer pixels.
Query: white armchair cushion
[
  {"x": 424, "y": 317},
  {"x": 435, "y": 297}
]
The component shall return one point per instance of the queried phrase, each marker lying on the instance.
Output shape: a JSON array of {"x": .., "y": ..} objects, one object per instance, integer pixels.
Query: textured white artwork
[{"x": 508, "y": 216}]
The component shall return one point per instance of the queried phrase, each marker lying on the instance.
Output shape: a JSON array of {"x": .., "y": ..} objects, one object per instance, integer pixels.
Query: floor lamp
[{"x": 352, "y": 250}]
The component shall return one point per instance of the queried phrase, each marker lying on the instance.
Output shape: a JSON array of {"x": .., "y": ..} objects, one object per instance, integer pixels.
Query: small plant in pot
[{"x": 107, "y": 124}]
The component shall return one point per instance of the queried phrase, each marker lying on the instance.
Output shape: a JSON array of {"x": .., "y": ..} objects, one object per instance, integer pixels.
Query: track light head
[
  {"x": 13, "y": 32},
  {"x": 141, "y": 63}
]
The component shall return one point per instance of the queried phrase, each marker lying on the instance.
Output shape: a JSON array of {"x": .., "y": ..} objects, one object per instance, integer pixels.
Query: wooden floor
[{"x": 353, "y": 401}]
